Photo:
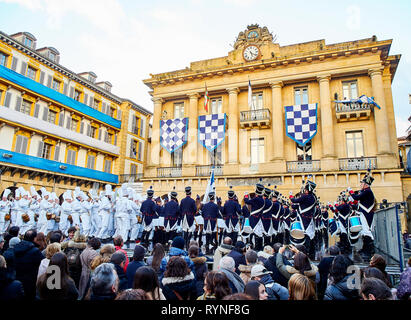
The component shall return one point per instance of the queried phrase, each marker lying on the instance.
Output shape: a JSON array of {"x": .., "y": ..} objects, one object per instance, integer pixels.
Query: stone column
[
  {"x": 232, "y": 125},
  {"x": 192, "y": 143},
  {"x": 155, "y": 135},
  {"x": 277, "y": 120},
  {"x": 328, "y": 160}
]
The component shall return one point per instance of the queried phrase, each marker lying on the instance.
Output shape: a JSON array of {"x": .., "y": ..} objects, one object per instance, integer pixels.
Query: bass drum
[{"x": 297, "y": 231}]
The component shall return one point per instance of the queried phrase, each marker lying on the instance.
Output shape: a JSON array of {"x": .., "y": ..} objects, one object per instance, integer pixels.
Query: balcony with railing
[
  {"x": 169, "y": 172},
  {"x": 352, "y": 111},
  {"x": 205, "y": 171},
  {"x": 362, "y": 163},
  {"x": 260, "y": 118},
  {"x": 303, "y": 166},
  {"x": 131, "y": 178}
]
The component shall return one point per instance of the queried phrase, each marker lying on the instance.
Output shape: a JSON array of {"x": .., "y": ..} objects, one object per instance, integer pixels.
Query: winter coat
[
  {"x": 324, "y": 269},
  {"x": 245, "y": 272},
  {"x": 176, "y": 252},
  {"x": 263, "y": 256},
  {"x": 404, "y": 287},
  {"x": 70, "y": 292},
  {"x": 131, "y": 271},
  {"x": 103, "y": 297},
  {"x": 239, "y": 258},
  {"x": 10, "y": 260},
  {"x": 288, "y": 271},
  {"x": 180, "y": 288},
  {"x": 220, "y": 252},
  {"x": 73, "y": 250},
  {"x": 118, "y": 248},
  {"x": 274, "y": 290},
  {"x": 271, "y": 265},
  {"x": 123, "y": 282},
  {"x": 85, "y": 257},
  {"x": 10, "y": 289},
  {"x": 236, "y": 284},
  {"x": 200, "y": 271},
  {"x": 340, "y": 291},
  {"x": 27, "y": 259},
  {"x": 207, "y": 297}
]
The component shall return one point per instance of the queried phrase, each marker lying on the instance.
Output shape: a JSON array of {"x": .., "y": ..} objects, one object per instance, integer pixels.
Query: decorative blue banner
[
  {"x": 173, "y": 133},
  {"x": 301, "y": 122},
  {"x": 211, "y": 130}
]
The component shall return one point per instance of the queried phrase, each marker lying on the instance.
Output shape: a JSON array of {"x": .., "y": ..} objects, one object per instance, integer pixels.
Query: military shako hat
[
  {"x": 267, "y": 192},
  {"x": 231, "y": 193},
  {"x": 150, "y": 192},
  {"x": 259, "y": 188},
  {"x": 188, "y": 190},
  {"x": 173, "y": 194},
  {"x": 211, "y": 195},
  {"x": 310, "y": 186},
  {"x": 368, "y": 179}
]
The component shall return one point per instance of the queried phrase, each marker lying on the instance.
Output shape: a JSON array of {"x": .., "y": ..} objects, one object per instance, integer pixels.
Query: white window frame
[
  {"x": 216, "y": 105},
  {"x": 178, "y": 110},
  {"x": 301, "y": 92},
  {"x": 260, "y": 144},
  {"x": 348, "y": 90},
  {"x": 306, "y": 151},
  {"x": 356, "y": 153},
  {"x": 258, "y": 101}
]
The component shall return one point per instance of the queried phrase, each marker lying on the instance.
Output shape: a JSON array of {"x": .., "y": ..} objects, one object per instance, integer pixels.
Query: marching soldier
[
  {"x": 211, "y": 212},
  {"x": 231, "y": 215},
  {"x": 257, "y": 206},
  {"x": 188, "y": 210},
  {"x": 324, "y": 225},
  {"x": 199, "y": 222},
  {"x": 171, "y": 216},
  {"x": 276, "y": 216},
  {"x": 266, "y": 217},
  {"x": 286, "y": 222},
  {"x": 344, "y": 211},
  {"x": 149, "y": 211}
]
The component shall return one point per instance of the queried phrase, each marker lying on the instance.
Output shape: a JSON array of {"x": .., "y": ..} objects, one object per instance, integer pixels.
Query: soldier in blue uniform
[
  {"x": 210, "y": 212},
  {"x": 266, "y": 217},
  {"x": 257, "y": 206},
  {"x": 172, "y": 216},
  {"x": 286, "y": 220},
  {"x": 324, "y": 225},
  {"x": 276, "y": 216},
  {"x": 188, "y": 210},
  {"x": 344, "y": 211},
  {"x": 231, "y": 215},
  {"x": 149, "y": 211},
  {"x": 159, "y": 233},
  {"x": 199, "y": 222}
]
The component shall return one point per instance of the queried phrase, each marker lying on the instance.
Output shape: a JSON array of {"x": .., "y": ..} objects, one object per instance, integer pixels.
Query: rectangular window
[
  {"x": 136, "y": 122},
  {"x": 71, "y": 156},
  {"x": 133, "y": 149},
  {"x": 51, "y": 116},
  {"x": 26, "y": 107},
  {"x": 96, "y": 104},
  {"x": 111, "y": 112},
  {"x": 257, "y": 151},
  {"x": 300, "y": 96},
  {"x": 46, "y": 152},
  {"x": 90, "y": 161},
  {"x": 107, "y": 166},
  {"x": 216, "y": 106},
  {"x": 350, "y": 90},
  {"x": 92, "y": 133},
  {"x": 73, "y": 125},
  {"x": 3, "y": 59},
  {"x": 133, "y": 169},
  {"x": 355, "y": 148},
  {"x": 109, "y": 138},
  {"x": 21, "y": 144},
  {"x": 258, "y": 101},
  {"x": 52, "y": 56},
  {"x": 31, "y": 73},
  {"x": 28, "y": 42},
  {"x": 216, "y": 156},
  {"x": 304, "y": 152},
  {"x": 179, "y": 110},
  {"x": 77, "y": 95},
  {"x": 56, "y": 85},
  {"x": 177, "y": 158}
]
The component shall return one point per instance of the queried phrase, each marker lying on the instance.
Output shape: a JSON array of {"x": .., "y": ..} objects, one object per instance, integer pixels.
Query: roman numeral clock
[{"x": 251, "y": 53}]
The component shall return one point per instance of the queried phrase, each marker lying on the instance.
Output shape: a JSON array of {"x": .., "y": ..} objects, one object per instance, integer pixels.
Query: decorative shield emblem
[
  {"x": 301, "y": 122},
  {"x": 173, "y": 133},
  {"x": 211, "y": 130}
]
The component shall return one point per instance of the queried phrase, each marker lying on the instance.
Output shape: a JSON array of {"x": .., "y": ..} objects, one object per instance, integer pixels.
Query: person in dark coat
[
  {"x": 28, "y": 258},
  {"x": 9, "y": 255},
  {"x": 118, "y": 259},
  {"x": 177, "y": 249},
  {"x": 178, "y": 282},
  {"x": 13, "y": 232},
  {"x": 271, "y": 265},
  {"x": 324, "y": 269},
  {"x": 10, "y": 289},
  {"x": 238, "y": 255},
  {"x": 200, "y": 268},
  {"x": 138, "y": 261}
]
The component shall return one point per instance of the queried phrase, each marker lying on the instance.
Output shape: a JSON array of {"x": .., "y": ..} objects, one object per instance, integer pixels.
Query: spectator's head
[
  {"x": 176, "y": 267},
  {"x": 1, "y": 241},
  {"x": 94, "y": 243},
  {"x": 228, "y": 241},
  {"x": 40, "y": 240},
  {"x": 277, "y": 247},
  {"x": 59, "y": 259},
  {"x": 146, "y": 279},
  {"x": 13, "y": 241},
  {"x": 104, "y": 280},
  {"x": 118, "y": 258},
  {"x": 14, "y": 231},
  {"x": 158, "y": 254},
  {"x": 258, "y": 271},
  {"x": 375, "y": 289},
  {"x": 251, "y": 257},
  {"x": 30, "y": 235},
  {"x": 139, "y": 252},
  {"x": 240, "y": 247},
  {"x": 133, "y": 294},
  {"x": 52, "y": 249},
  {"x": 104, "y": 256},
  {"x": 238, "y": 296},
  {"x": 71, "y": 231},
  {"x": 378, "y": 261},
  {"x": 269, "y": 250},
  {"x": 338, "y": 268},
  {"x": 301, "y": 262},
  {"x": 3, "y": 264},
  {"x": 301, "y": 288},
  {"x": 334, "y": 251},
  {"x": 193, "y": 252},
  {"x": 178, "y": 242},
  {"x": 227, "y": 263},
  {"x": 216, "y": 284},
  {"x": 55, "y": 237},
  {"x": 302, "y": 248},
  {"x": 372, "y": 272},
  {"x": 118, "y": 241},
  {"x": 256, "y": 290},
  {"x": 193, "y": 243}
]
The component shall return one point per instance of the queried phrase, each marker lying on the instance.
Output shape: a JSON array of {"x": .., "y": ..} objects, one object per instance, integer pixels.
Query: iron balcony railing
[
  {"x": 203, "y": 171},
  {"x": 255, "y": 115},
  {"x": 362, "y": 163},
  {"x": 303, "y": 166},
  {"x": 169, "y": 172},
  {"x": 132, "y": 177},
  {"x": 352, "y": 107}
]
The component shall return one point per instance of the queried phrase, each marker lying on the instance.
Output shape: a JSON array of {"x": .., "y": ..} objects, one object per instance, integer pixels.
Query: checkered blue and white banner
[
  {"x": 173, "y": 133},
  {"x": 211, "y": 130},
  {"x": 301, "y": 122}
]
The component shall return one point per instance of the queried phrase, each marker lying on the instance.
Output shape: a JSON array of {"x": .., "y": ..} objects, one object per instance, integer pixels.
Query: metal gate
[{"x": 388, "y": 240}]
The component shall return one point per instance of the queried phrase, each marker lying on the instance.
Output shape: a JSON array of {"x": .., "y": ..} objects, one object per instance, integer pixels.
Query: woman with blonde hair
[
  {"x": 51, "y": 250},
  {"x": 104, "y": 256},
  {"x": 301, "y": 287}
]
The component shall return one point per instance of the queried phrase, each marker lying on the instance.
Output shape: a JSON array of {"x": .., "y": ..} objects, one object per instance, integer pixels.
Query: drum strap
[
  {"x": 368, "y": 210},
  {"x": 308, "y": 208},
  {"x": 265, "y": 211},
  {"x": 256, "y": 211},
  {"x": 275, "y": 216}
]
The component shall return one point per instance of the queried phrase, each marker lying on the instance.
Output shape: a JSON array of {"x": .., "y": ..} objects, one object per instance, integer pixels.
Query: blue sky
[{"x": 124, "y": 41}]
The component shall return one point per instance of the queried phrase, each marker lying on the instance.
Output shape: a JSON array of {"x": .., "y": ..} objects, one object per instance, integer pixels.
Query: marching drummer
[
  {"x": 211, "y": 212},
  {"x": 171, "y": 216},
  {"x": 149, "y": 210},
  {"x": 257, "y": 206},
  {"x": 276, "y": 215},
  {"x": 344, "y": 211},
  {"x": 188, "y": 210},
  {"x": 231, "y": 214}
]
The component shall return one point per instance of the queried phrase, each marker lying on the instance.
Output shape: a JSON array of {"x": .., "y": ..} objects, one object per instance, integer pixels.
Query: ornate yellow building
[{"x": 349, "y": 139}]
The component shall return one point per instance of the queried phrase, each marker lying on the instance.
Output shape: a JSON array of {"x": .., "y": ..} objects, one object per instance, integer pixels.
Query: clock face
[
  {"x": 251, "y": 53},
  {"x": 252, "y": 35}
]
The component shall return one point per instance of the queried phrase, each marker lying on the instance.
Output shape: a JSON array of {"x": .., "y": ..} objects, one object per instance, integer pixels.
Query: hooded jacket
[
  {"x": 176, "y": 252},
  {"x": 200, "y": 270},
  {"x": 340, "y": 291},
  {"x": 10, "y": 289},
  {"x": 27, "y": 259},
  {"x": 288, "y": 271},
  {"x": 271, "y": 265},
  {"x": 184, "y": 287},
  {"x": 245, "y": 272},
  {"x": 235, "y": 282},
  {"x": 274, "y": 290}
]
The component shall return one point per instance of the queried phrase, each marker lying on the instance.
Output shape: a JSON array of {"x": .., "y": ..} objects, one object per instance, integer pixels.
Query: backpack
[{"x": 73, "y": 257}]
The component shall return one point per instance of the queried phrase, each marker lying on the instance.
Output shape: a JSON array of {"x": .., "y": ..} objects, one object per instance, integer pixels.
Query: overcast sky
[{"x": 123, "y": 41}]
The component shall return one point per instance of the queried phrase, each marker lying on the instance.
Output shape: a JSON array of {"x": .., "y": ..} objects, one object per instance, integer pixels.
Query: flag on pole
[
  {"x": 210, "y": 187},
  {"x": 206, "y": 99},
  {"x": 250, "y": 96}
]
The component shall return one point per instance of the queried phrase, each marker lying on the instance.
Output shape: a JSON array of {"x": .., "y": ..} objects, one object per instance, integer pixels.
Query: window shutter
[
  {"x": 61, "y": 119},
  {"x": 18, "y": 103},
  {"x": 88, "y": 130},
  {"x": 99, "y": 133},
  {"x": 7, "y": 99},
  {"x": 103, "y": 107},
  {"x": 25, "y": 141},
  {"x": 119, "y": 114},
  {"x": 115, "y": 139},
  {"x": 56, "y": 153},
  {"x": 142, "y": 127},
  {"x": 49, "y": 81},
  {"x": 45, "y": 113},
  {"x": 14, "y": 64},
  {"x": 40, "y": 149},
  {"x": 133, "y": 169},
  {"x": 71, "y": 92},
  {"x": 139, "y": 150},
  {"x": 23, "y": 68},
  {"x": 81, "y": 127},
  {"x": 36, "y": 110},
  {"x": 106, "y": 137},
  {"x": 86, "y": 98},
  {"x": 18, "y": 144},
  {"x": 90, "y": 101},
  {"x": 65, "y": 88},
  {"x": 131, "y": 149},
  {"x": 68, "y": 122},
  {"x": 133, "y": 124},
  {"x": 42, "y": 74}
]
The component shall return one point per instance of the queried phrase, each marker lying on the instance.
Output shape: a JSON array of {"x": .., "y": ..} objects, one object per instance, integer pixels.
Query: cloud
[{"x": 402, "y": 126}]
